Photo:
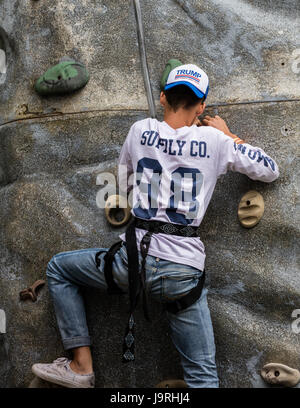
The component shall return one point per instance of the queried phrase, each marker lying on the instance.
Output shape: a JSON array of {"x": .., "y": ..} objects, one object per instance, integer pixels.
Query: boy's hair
[{"x": 182, "y": 96}]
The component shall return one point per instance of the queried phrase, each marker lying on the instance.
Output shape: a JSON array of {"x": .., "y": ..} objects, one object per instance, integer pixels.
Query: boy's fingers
[
  {"x": 197, "y": 122},
  {"x": 209, "y": 121}
]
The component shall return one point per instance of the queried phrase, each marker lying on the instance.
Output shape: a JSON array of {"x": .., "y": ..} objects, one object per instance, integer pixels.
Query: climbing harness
[{"x": 137, "y": 276}]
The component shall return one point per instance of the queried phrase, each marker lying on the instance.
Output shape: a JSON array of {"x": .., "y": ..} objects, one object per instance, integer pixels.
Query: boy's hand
[
  {"x": 220, "y": 124},
  {"x": 197, "y": 122}
]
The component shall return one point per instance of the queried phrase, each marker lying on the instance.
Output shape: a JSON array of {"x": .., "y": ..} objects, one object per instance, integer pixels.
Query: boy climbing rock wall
[{"x": 175, "y": 165}]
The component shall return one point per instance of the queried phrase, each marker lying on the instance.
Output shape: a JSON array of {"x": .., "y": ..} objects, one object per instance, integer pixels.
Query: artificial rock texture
[{"x": 51, "y": 150}]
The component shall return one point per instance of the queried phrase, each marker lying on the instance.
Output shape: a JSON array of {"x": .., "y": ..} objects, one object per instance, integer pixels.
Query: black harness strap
[
  {"x": 137, "y": 278},
  {"x": 112, "y": 287},
  {"x": 133, "y": 266},
  {"x": 145, "y": 243},
  {"x": 160, "y": 227},
  {"x": 134, "y": 291},
  {"x": 187, "y": 300}
]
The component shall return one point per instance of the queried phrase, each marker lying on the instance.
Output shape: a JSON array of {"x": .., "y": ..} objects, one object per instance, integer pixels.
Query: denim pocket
[{"x": 177, "y": 285}]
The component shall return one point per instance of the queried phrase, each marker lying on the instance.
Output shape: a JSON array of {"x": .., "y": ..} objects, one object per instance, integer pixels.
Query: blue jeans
[{"x": 191, "y": 329}]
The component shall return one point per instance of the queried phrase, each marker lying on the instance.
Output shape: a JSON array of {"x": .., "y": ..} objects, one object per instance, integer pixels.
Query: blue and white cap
[{"x": 190, "y": 75}]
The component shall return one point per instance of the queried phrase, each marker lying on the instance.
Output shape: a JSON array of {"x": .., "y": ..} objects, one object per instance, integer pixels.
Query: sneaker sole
[{"x": 57, "y": 380}]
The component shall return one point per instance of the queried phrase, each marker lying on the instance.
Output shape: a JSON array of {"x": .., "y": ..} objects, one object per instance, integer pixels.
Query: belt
[{"x": 161, "y": 227}]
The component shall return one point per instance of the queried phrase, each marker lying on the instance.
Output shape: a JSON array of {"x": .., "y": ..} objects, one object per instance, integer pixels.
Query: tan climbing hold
[
  {"x": 251, "y": 209},
  {"x": 117, "y": 210},
  {"x": 172, "y": 384},
  {"x": 280, "y": 374}
]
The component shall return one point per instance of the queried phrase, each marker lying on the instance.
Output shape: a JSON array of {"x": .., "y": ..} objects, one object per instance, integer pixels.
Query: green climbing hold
[
  {"x": 171, "y": 64},
  {"x": 65, "y": 77}
]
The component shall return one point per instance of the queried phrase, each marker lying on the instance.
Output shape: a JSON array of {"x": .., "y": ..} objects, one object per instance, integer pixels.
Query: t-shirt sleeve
[{"x": 246, "y": 159}]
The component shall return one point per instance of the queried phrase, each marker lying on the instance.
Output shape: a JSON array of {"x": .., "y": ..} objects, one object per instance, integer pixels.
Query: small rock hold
[
  {"x": 65, "y": 77},
  {"x": 31, "y": 292},
  {"x": 251, "y": 209},
  {"x": 280, "y": 374},
  {"x": 117, "y": 210},
  {"x": 171, "y": 64}
]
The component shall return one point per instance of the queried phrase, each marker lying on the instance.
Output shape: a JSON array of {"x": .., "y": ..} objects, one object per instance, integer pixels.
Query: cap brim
[{"x": 196, "y": 91}]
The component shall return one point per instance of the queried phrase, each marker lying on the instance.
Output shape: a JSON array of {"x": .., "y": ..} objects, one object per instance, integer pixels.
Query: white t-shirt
[{"x": 174, "y": 174}]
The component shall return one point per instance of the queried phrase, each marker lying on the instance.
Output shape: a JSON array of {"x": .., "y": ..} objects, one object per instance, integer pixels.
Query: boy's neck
[{"x": 179, "y": 119}]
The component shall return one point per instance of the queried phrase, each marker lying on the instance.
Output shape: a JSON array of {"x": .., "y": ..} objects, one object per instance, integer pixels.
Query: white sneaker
[{"x": 59, "y": 372}]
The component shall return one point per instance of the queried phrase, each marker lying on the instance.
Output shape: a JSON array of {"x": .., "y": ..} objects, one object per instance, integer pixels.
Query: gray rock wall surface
[{"x": 51, "y": 150}]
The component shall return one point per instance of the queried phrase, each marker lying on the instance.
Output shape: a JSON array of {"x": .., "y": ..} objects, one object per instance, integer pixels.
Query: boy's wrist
[{"x": 236, "y": 139}]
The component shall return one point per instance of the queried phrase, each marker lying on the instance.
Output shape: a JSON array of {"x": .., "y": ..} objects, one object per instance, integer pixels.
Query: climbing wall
[{"x": 53, "y": 148}]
